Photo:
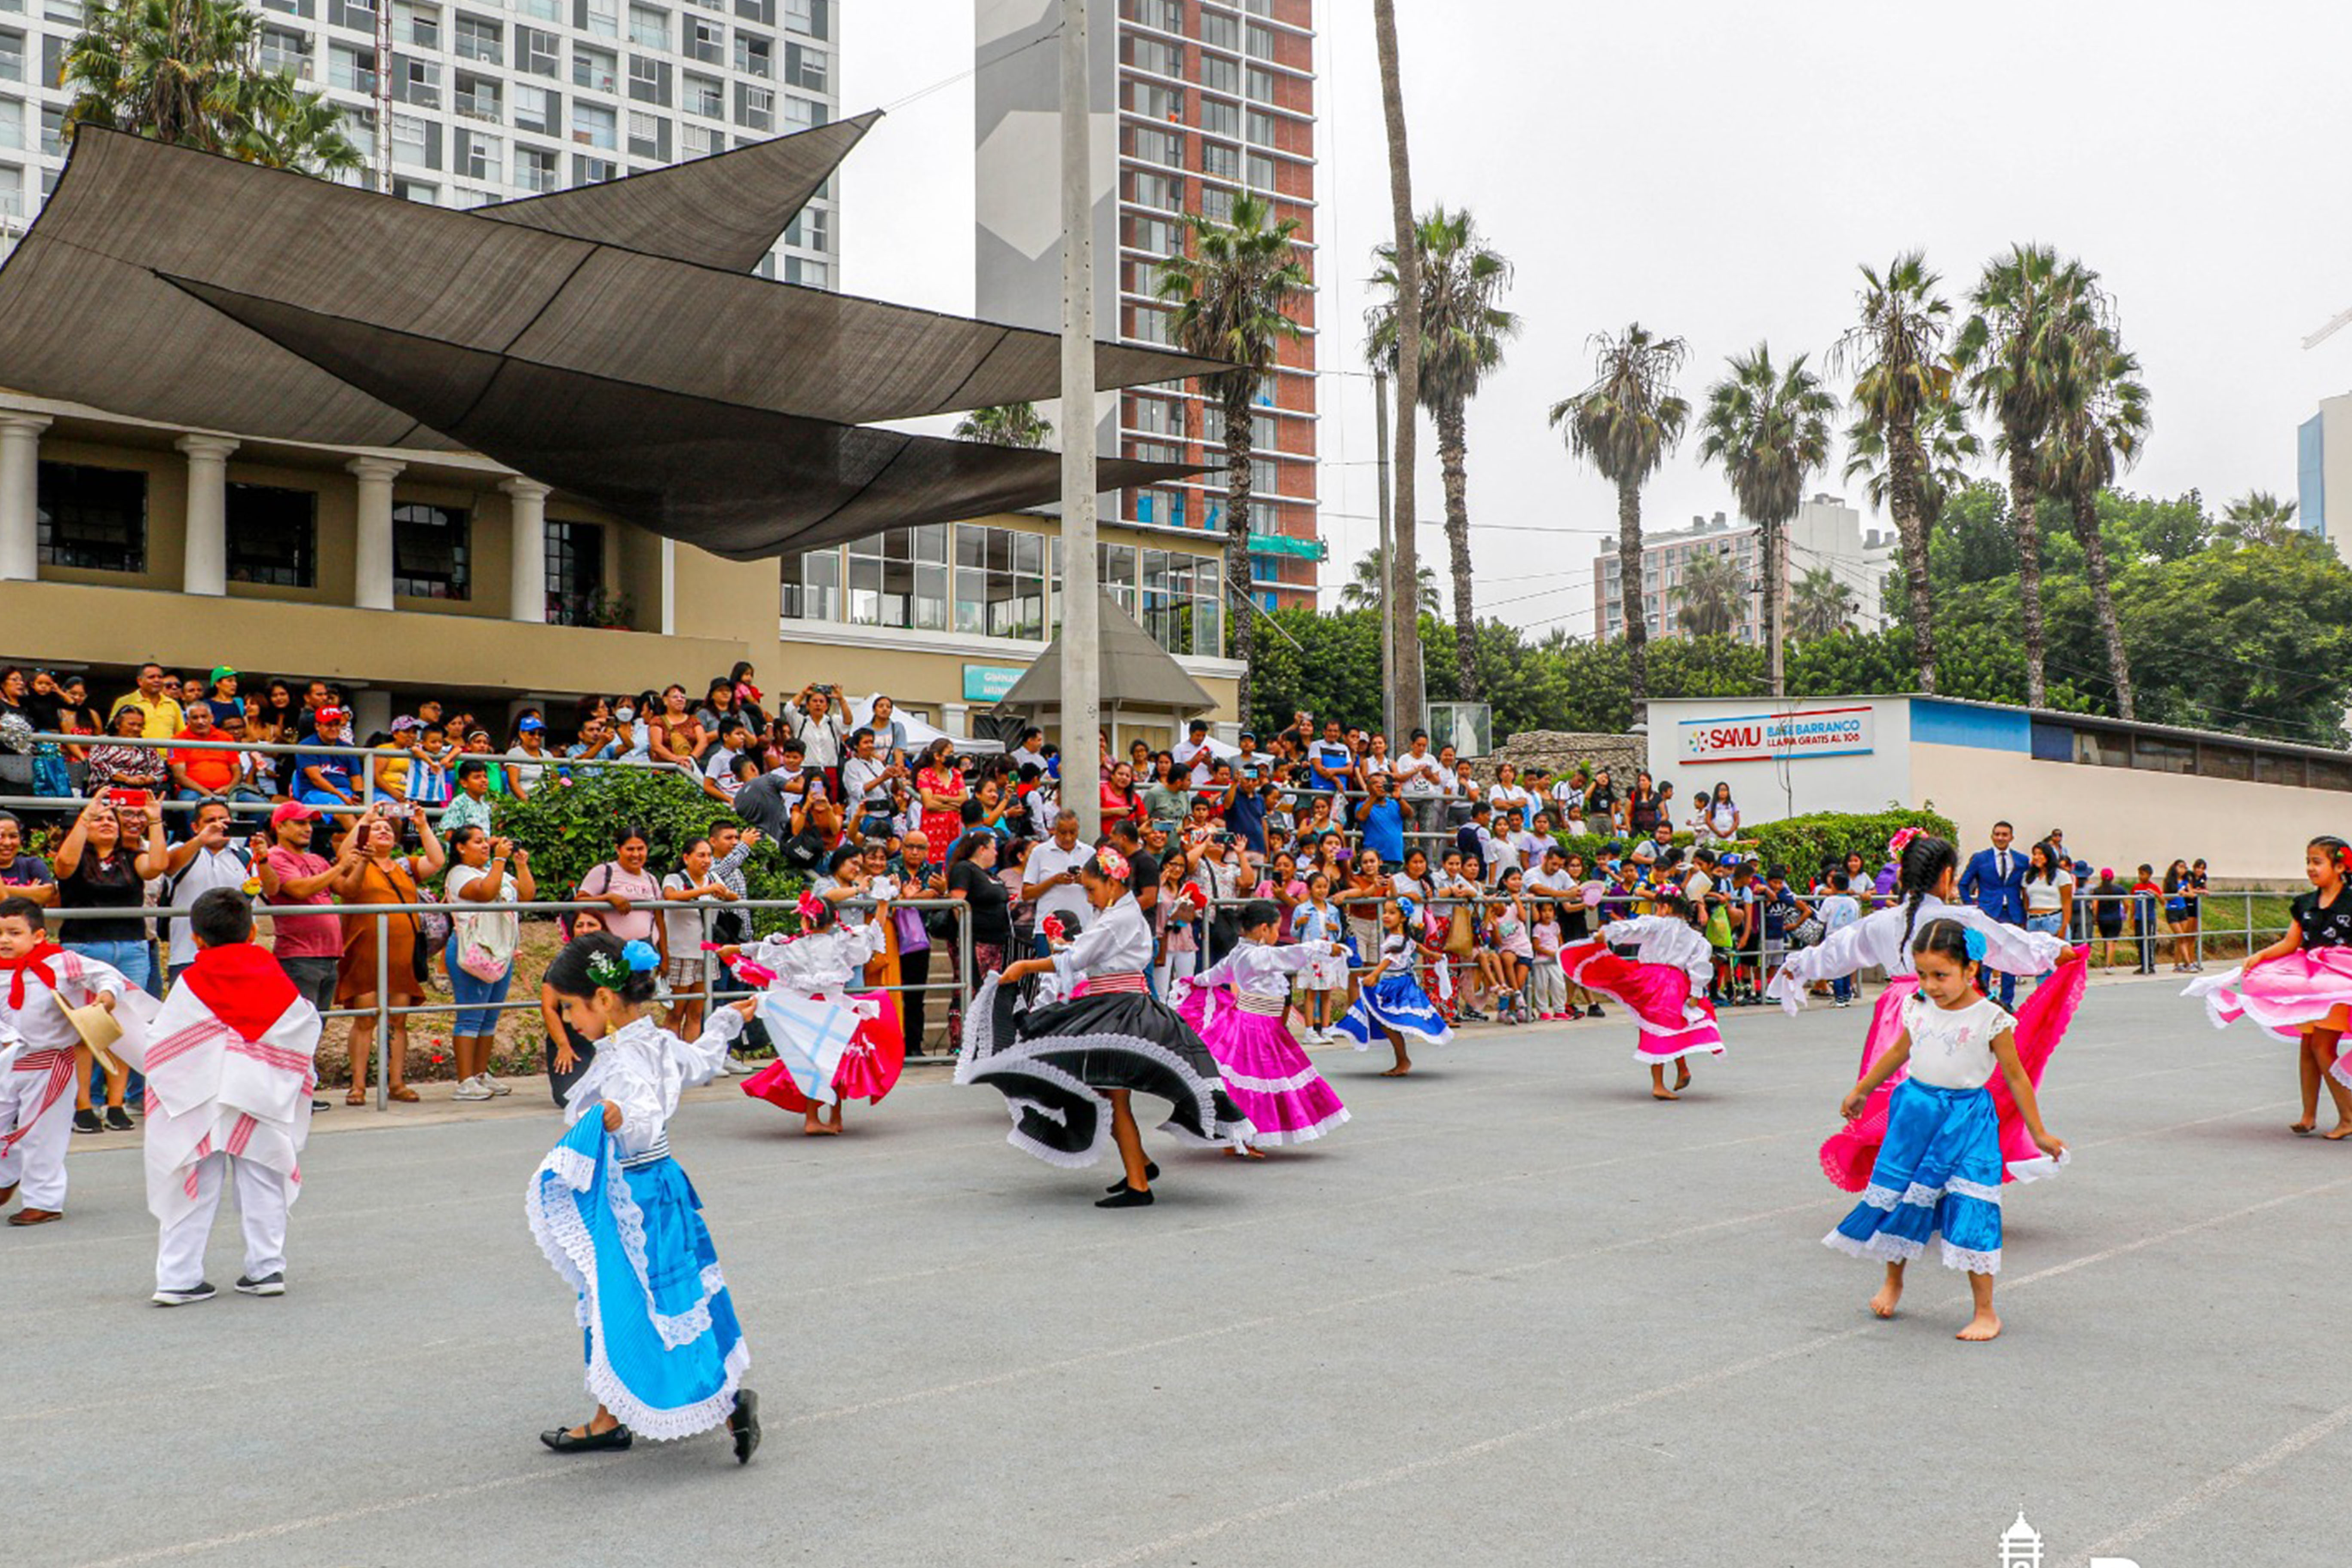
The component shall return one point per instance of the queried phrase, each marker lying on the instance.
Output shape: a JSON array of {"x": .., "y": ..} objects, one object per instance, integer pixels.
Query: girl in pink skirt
[
  {"x": 2300, "y": 987},
  {"x": 1665, "y": 985},
  {"x": 1236, "y": 1005}
]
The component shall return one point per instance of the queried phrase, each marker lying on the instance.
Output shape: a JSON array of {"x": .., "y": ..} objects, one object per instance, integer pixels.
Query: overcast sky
[{"x": 1715, "y": 171}]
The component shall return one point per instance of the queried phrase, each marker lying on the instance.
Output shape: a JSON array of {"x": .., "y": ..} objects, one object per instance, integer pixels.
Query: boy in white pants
[
  {"x": 231, "y": 1062},
  {"x": 37, "y": 1047}
]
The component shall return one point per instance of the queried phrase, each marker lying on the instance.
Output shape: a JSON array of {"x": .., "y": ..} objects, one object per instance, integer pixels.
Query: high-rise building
[
  {"x": 1826, "y": 535},
  {"x": 1194, "y": 101},
  {"x": 2324, "y": 445},
  {"x": 492, "y": 101}
]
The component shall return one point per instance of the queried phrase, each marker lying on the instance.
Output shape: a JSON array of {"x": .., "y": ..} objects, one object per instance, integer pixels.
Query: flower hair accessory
[
  {"x": 1412, "y": 910},
  {"x": 810, "y": 906},
  {"x": 641, "y": 956},
  {"x": 1902, "y": 839},
  {"x": 1113, "y": 862},
  {"x": 1052, "y": 927},
  {"x": 609, "y": 970},
  {"x": 1974, "y": 941}
]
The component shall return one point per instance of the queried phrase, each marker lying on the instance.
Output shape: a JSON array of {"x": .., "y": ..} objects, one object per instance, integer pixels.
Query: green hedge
[
  {"x": 570, "y": 829},
  {"x": 1802, "y": 843}
]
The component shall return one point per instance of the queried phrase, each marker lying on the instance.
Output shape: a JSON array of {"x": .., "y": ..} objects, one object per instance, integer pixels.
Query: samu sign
[{"x": 1762, "y": 737}]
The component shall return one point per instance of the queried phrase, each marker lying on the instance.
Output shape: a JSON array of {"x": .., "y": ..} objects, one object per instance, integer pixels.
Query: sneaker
[
  {"x": 495, "y": 1086},
  {"x": 88, "y": 1122},
  {"x": 201, "y": 1292},
  {"x": 272, "y": 1284},
  {"x": 473, "y": 1089},
  {"x": 734, "y": 1065},
  {"x": 117, "y": 1119},
  {"x": 1594, "y": 1011}
]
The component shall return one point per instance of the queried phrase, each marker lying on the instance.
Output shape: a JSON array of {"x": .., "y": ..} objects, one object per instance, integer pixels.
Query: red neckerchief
[
  {"x": 37, "y": 963},
  {"x": 242, "y": 985}
]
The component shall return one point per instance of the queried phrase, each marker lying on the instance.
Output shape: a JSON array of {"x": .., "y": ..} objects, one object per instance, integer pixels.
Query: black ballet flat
[
  {"x": 1125, "y": 1197},
  {"x": 1151, "y": 1173},
  {"x": 744, "y": 1422},
  {"x": 563, "y": 1442}
]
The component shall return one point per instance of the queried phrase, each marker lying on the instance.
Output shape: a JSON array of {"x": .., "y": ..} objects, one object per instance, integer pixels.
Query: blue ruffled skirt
[
  {"x": 1938, "y": 1174},
  {"x": 1397, "y": 1003},
  {"x": 664, "y": 1353}
]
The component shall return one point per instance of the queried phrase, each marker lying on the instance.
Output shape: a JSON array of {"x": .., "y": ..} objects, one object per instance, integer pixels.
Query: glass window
[
  {"x": 1221, "y": 73},
  {"x": 592, "y": 171},
  {"x": 597, "y": 68},
  {"x": 1114, "y": 566},
  {"x": 1262, "y": 85},
  {"x": 707, "y": 42},
  {"x": 1217, "y": 203},
  {"x": 1156, "y": 102},
  {"x": 420, "y": 83},
  {"x": 273, "y": 535},
  {"x": 899, "y": 579},
  {"x": 648, "y": 135},
  {"x": 12, "y": 57},
  {"x": 810, "y": 16},
  {"x": 432, "y": 551},
  {"x": 542, "y": 10},
  {"x": 812, "y": 584},
  {"x": 538, "y": 53},
  {"x": 1261, "y": 41},
  {"x": 575, "y": 572},
  {"x": 534, "y": 109},
  {"x": 755, "y": 107},
  {"x": 649, "y": 27},
  {"x": 811, "y": 228},
  {"x": 12, "y": 191},
  {"x": 1163, "y": 191},
  {"x": 1168, "y": 16},
  {"x": 11, "y": 124},
  {"x": 1157, "y": 56},
  {"x": 809, "y": 274},
  {"x": 479, "y": 39},
  {"x": 1262, "y": 128},
  {"x": 418, "y": 24},
  {"x": 602, "y": 18},
  {"x": 596, "y": 124},
  {"x": 1151, "y": 326},
  {"x": 806, "y": 67},
  {"x": 408, "y": 139},
  {"x": 1220, "y": 118},
  {"x": 1220, "y": 29},
  {"x": 1260, "y": 172},
  {"x": 1221, "y": 159},
  {"x": 479, "y": 157},
  {"x": 697, "y": 140},
  {"x": 284, "y": 51},
  {"x": 478, "y": 97},
  {"x": 94, "y": 519},
  {"x": 999, "y": 582},
  {"x": 1156, "y": 146},
  {"x": 350, "y": 69},
  {"x": 1160, "y": 415},
  {"x": 755, "y": 56},
  {"x": 534, "y": 170},
  {"x": 705, "y": 95}
]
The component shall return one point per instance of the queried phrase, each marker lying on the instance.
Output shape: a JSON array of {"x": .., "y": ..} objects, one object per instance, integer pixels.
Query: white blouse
[
  {"x": 1264, "y": 969},
  {"x": 1117, "y": 941},
  {"x": 1952, "y": 1048},
  {"x": 1877, "y": 941},
  {"x": 830, "y": 959},
  {"x": 644, "y": 1068},
  {"x": 1662, "y": 939}
]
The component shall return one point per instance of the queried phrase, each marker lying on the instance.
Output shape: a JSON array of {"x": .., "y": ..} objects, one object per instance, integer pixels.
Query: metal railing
[{"x": 960, "y": 982}]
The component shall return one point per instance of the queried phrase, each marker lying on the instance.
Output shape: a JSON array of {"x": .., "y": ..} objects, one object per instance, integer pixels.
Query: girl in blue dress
[
  {"x": 623, "y": 1225},
  {"x": 1391, "y": 1001}
]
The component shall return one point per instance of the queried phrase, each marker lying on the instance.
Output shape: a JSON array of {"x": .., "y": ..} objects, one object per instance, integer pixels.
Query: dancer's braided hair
[{"x": 1925, "y": 860}]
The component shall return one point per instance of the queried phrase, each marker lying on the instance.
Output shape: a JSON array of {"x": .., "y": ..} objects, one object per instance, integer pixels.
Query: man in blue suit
[{"x": 1995, "y": 883}]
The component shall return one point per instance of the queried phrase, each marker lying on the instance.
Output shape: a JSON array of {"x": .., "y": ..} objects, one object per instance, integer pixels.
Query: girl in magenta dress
[
  {"x": 2300, "y": 987},
  {"x": 1663, "y": 984},
  {"x": 1236, "y": 1005},
  {"x": 834, "y": 1041}
]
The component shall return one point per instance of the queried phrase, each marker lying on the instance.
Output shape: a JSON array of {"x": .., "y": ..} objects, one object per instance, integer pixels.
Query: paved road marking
[{"x": 2214, "y": 1486}]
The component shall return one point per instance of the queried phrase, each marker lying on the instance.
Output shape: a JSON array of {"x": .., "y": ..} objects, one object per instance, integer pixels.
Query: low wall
[{"x": 1557, "y": 750}]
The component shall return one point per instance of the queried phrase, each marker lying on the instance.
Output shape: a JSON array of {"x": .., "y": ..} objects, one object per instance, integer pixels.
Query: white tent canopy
[{"x": 918, "y": 734}]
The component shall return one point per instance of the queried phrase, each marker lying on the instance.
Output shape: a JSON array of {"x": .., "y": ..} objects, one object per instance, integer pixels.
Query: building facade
[
  {"x": 394, "y": 572},
  {"x": 2324, "y": 464},
  {"x": 492, "y": 101},
  {"x": 1194, "y": 101},
  {"x": 1825, "y": 534}
]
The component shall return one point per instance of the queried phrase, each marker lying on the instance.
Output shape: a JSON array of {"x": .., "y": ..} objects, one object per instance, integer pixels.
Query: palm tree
[
  {"x": 1406, "y": 685},
  {"x": 2259, "y": 517},
  {"x": 1234, "y": 286},
  {"x": 1712, "y": 594},
  {"x": 1902, "y": 392},
  {"x": 1623, "y": 425},
  {"x": 1462, "y": 333},
  {"x": 2031, "y": 316},
  {"x": 1367, "y": 588},
  {"x": 1822, "y": 605},
  {"x": 1769, "y": 429},
  {"x": 189, "y": 72},
  {"x": 2100, "y": 425},
  {"x": 1006, "y": 425}
]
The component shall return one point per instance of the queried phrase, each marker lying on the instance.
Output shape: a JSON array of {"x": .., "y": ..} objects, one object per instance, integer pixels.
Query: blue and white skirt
[
  {"x": 1938, "y": 1173},
  {"x": 664, "y": 1353},
  {"x": 1396, "y": 1002}
]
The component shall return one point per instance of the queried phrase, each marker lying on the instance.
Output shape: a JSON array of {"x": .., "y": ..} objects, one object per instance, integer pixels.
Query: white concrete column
[
  {"x": 207, "y": 562},
  {"x": 20, "y": 495},
  {"x": 669, "y": 588},
  {"x": 527, "y": 585},
  {"x": 372, "y": 560}
]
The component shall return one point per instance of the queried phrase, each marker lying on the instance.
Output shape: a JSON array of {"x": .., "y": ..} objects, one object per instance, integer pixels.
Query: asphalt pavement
[{"x": 1514, "y": 1313}]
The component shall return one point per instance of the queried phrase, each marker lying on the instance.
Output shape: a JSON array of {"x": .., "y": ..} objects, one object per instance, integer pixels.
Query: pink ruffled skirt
[
  {"x": 869, "y": 1069},
  {"x": 1674, "y": 1024},
  {"x": 1266, "y": 1071},
  {"x": 2287, "y": 996},
  {"x": 1849, "y": 1153}
]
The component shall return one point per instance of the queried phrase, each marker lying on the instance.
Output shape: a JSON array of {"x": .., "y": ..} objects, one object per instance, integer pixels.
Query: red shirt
[
  {"x": 304, "y": 936},
  {"x": 211, "y": 772}
]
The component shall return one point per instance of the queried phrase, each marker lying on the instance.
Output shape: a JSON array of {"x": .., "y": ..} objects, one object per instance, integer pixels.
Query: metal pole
[
  {"x": 1081, "y": 620},
  {"x": 383, "y": 1018},
  {"x": 1388, "y": 598}
]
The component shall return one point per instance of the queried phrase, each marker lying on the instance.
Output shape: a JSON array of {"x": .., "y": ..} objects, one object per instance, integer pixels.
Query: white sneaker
[
  {"x": 473, "y": 1089},
  {"x": 733, "y": 1065},
  {"x": 494, "y": 1086}
]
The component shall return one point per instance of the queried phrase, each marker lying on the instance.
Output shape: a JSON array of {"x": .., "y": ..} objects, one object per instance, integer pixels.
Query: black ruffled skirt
[{"x": 1052, "y": 1065}]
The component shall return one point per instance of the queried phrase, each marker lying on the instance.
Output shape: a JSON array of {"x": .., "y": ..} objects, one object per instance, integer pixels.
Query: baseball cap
[
  {"x": 531, "y": 722},
  {"x": 221, "y": 672},
  {"x": 329, "y": 717},
  {"x": 288, "y": 811}
]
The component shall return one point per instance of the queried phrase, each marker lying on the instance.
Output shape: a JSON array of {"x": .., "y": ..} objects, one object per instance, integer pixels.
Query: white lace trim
[
  {"x": 2341, "y": 1069},
  {"x": 1367, "y": 1009},
  {"x": 1878, "y": 1197},
  {"x": 1713, "y": 1049},
  {"x": 1296, "y": 1080},
  {"x": 1294, "y": 1135},
  {"x": 1880, "y": 1247},
  {"x": 1977, "y": 1189},
  {"x": 1971, "y": 1260}
]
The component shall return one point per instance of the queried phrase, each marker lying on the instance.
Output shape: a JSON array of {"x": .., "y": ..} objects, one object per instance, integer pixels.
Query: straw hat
[{"x": 94, "y": 1023}]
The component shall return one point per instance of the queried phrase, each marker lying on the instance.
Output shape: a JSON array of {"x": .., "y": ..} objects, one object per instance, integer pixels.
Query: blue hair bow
[
  {"x": 1973, "y": 940},
  {"x": 641, "y": 956},
  {"x": 1411, "y": 910}
]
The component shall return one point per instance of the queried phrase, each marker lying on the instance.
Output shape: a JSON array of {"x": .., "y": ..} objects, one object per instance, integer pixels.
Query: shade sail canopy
[
  {"x": 724, "y": 211},
  {"x": 85, "y": 316},
  {"x": 737, "y": 481},
  {"x": 1136, "y": 671}
]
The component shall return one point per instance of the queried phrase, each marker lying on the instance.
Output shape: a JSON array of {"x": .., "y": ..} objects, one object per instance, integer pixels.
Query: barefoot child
[
  {"x": 2300, "y": 987},
  {"x": 834, "y": 1040},
  {"x": 1266, "y": 1070},
  {"x": 1663, "y": 983},
  {"x": 1392, "y": 1002},
  {"x": 622, "y": 1224},
  {"x": 1940, "y": 1166},
  {"x": 1319, "y": 919},
  {"x": 37, "y": 1043}
]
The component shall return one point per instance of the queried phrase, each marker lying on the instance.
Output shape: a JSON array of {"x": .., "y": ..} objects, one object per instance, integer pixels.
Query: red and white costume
[
  {"x": 231, "y": 1062},
  {"x": 37, "y": 1062}
]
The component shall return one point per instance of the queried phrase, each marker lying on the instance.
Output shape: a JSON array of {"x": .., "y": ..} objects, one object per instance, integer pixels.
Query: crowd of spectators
[{"x": 1325, "y": 820}]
